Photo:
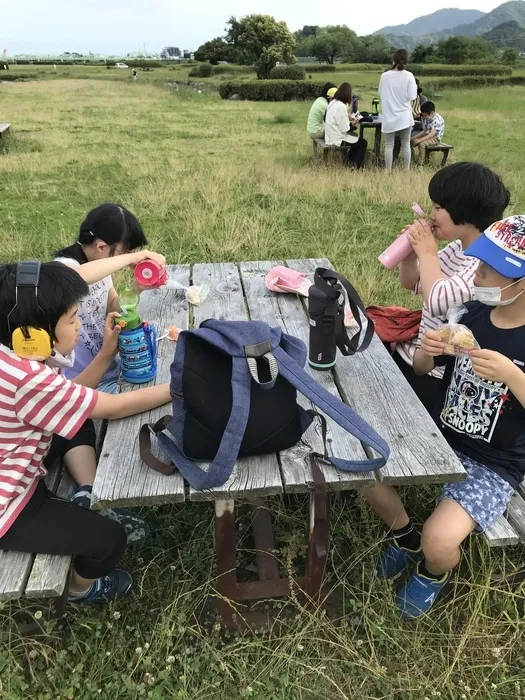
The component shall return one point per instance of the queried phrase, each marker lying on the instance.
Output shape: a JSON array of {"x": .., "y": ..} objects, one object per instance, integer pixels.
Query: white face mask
[
  {"x": 59, "y": 361},
  {"x": 491, "y": 296}
]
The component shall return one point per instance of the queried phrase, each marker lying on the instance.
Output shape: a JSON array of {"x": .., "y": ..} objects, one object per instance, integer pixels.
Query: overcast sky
[{"x": 121, "y": 26}]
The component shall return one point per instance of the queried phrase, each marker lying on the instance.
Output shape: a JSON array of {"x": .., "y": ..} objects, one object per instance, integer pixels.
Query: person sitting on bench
[
  {"x": 432, "y": 134},
  {"x": 315, "y": 124}
]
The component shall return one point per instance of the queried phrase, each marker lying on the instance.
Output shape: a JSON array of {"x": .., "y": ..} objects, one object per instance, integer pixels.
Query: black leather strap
[{"x": 329, "y": 281}]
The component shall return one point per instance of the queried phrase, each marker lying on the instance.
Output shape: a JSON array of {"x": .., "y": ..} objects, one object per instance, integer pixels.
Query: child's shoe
[
  {"x": 417, "y": 596},
  {"x": 114, "y": 586},
  {"x": 394, "y": 559}
]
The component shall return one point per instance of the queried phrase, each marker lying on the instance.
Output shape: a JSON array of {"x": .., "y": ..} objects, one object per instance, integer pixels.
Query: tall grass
[{"x": 211, "y": 181}]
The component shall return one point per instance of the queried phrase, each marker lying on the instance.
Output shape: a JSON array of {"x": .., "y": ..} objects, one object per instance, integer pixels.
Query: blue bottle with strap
[{"x": 137, "y": 343}]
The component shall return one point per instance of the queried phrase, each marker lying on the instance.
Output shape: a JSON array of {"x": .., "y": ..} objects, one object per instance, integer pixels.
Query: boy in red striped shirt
[
  {"x": 37, "y": 403},
  {"x": 466, "y": 199}
]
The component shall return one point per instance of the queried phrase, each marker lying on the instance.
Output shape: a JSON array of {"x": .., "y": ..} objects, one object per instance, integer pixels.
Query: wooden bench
[
  {"x": 443, "y": 148},
  {"x": 370, "y": 382},
  {"x": 4, "y": 128},
  {"x": 326, "y": 150},
  {"x": 510, "y": 528},
  {"x": 43, "y": 575}
]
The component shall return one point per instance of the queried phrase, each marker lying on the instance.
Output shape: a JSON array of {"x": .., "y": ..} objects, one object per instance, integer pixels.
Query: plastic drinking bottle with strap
[
  {"x": 326, "y": 309},
  {"x": 137, "y": 343}
]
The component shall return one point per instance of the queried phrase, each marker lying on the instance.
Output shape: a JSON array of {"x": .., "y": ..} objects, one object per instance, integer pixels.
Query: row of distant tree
[{"x": 263, "y": 41}]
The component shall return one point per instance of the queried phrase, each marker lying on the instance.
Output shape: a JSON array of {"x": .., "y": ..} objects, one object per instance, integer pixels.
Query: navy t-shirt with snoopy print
[{"x": 482, "y": 419}]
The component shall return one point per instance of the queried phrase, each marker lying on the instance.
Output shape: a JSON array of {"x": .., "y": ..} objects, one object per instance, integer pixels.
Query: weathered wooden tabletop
[{"x": 370, "y": 382}]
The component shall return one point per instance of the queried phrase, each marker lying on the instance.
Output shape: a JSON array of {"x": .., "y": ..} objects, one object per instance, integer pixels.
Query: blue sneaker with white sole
[
  {"x": 394, "y": 559},
  {"x": 418, "y": 594},
  {"x": 115, "y": 586}
]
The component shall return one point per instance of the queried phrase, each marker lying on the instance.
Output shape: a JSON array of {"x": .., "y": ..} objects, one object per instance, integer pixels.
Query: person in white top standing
[
  {"x": 338, "y": 128},
  {"x": 397, "y": 90}
]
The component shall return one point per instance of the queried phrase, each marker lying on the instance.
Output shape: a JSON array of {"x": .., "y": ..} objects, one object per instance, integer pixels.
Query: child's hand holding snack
[
  {"x": 432, "y": 344},
  {"x": 493, "y": 366}
]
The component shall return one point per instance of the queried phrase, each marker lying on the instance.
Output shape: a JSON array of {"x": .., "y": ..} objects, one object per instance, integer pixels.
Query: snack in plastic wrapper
[{"x": 458, "y": 339}]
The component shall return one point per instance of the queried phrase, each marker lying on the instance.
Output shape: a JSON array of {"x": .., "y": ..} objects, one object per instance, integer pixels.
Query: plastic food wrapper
[
  {"x": 284, "y": 279},
  {"x": 195, "y": 294},
  {"x": 459, "y": 339}
]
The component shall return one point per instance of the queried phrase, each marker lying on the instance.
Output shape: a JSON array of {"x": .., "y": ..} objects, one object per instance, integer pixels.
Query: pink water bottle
[
  {"x": 151, "y": 274},
  {"x": 400, "y": 248}
]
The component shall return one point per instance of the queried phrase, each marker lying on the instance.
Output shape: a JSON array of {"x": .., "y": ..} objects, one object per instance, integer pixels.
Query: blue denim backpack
[{"x": 234, "y": 388}]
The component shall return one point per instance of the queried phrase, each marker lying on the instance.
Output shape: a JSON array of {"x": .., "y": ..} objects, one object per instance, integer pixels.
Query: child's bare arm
[
  {"x": 114, "y": 406},
  {"x": 432, "y": 346},
  {"x": 96, "y": 270},
  {"x": 496, "y": 367},
  {"x": 97, "y": 368}
]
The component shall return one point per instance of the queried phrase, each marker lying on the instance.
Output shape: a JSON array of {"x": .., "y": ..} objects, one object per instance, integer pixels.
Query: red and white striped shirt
[
  {"x": 455, "y": 288},
  {"x": 35, "y": 403}
]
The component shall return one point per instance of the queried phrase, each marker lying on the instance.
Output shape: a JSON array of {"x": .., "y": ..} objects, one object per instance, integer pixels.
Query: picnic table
[
  {"x": 376, "y": 125},
  {"x": 370, "y": 382}
]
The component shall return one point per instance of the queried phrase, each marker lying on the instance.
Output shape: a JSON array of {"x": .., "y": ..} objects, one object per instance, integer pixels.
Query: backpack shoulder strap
[{"x": 346, "y": 417}]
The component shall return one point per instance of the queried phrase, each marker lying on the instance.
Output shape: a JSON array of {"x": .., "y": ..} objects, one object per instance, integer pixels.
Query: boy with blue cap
[{"x": 482, "y": 417}]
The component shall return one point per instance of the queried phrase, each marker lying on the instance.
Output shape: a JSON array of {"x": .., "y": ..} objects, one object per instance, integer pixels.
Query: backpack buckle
[{"x": 258, "y": 350}]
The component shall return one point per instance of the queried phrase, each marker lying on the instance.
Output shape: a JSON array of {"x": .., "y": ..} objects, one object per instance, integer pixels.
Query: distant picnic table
[{"x": 370, "y": 382}]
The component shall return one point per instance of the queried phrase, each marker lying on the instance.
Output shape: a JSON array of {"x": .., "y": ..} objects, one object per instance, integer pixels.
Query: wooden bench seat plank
[
  {"x": 252, "y": 476},
  {"x": 516, "y": 515},
  {"x": 122, "y": 478},
  {"x": 15, "y": 567},
  {"x": 50, "y": 572},
  {"x": 501, "y": 534},
  {"x": 419, "y": 454},
  {"x": 287, "y": 311}
]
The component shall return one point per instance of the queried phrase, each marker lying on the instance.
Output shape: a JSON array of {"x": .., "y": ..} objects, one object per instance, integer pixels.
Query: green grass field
[{"x": 210, "y": 181}]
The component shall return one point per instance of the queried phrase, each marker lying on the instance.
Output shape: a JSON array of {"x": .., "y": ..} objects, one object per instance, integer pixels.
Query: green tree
[
  {"x": 510, "y": 56},
  {"x": 465, "y": 49},
  {"x": 301, "y": 36},
  {"x": 422, "y": 54},
  {"x": 214, "y": 51},
  {"x": 262, "y": 41},
  {"x": 332, "y": 42},
  {"x": 374, "y": 48}
]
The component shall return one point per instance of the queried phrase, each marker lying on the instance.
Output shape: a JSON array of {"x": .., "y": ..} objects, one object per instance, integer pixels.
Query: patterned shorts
[{"x": 483, "y": 494}]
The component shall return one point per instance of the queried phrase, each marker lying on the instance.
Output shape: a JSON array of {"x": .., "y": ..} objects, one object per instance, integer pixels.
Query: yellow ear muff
[{"x": 31, "y": 344}]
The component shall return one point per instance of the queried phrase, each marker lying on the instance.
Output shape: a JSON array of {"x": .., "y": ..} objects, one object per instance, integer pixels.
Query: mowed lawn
[{"x": 215, "y": 181}]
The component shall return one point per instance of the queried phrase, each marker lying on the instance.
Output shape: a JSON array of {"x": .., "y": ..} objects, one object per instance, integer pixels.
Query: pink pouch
[{"x": 283, "y": 279}]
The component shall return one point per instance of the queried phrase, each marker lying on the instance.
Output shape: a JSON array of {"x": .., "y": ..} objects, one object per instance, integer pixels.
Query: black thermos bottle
[{"x": 326, "y": 311}]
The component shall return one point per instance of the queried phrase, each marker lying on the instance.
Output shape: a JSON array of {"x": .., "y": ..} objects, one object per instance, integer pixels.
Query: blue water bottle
[{"x": 137, "y": 344}]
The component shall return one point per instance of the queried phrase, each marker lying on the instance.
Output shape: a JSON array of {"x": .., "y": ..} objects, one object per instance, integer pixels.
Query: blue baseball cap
[{"x": 502, "y": 246}]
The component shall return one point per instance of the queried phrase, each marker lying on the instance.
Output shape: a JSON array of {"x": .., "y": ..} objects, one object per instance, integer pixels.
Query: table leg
[
  {"x": 377, "y": 143},
  {"x": 226, "y": 561},
  {"x": 267, "y": 563},
  {"x": 318, "y": 535}
]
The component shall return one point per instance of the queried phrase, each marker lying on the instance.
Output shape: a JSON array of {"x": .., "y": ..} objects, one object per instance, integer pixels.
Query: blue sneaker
[
  {"x": 417, "y": 596},
  {"x": 394, "y": 559},
  {"x": 115, "y": 586}
]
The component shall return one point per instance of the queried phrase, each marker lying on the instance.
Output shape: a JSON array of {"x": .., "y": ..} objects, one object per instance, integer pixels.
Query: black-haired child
[{"x": 37, "y": 403}]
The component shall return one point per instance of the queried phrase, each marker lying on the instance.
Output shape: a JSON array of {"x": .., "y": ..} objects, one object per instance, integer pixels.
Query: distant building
[
  {"x": 170, "y": 53},
  {"x": 187, "y": 55}
]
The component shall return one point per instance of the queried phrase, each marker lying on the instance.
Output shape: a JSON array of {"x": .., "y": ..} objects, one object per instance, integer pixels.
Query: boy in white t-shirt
[{"x": 38, "y": 405}]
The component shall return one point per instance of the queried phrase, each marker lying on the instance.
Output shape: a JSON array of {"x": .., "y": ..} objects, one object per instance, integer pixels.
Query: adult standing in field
[
  {"x": 397, "y": 90},
  {"x": 338, "y": 128},
  {"x": 315, "y": 124}
]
